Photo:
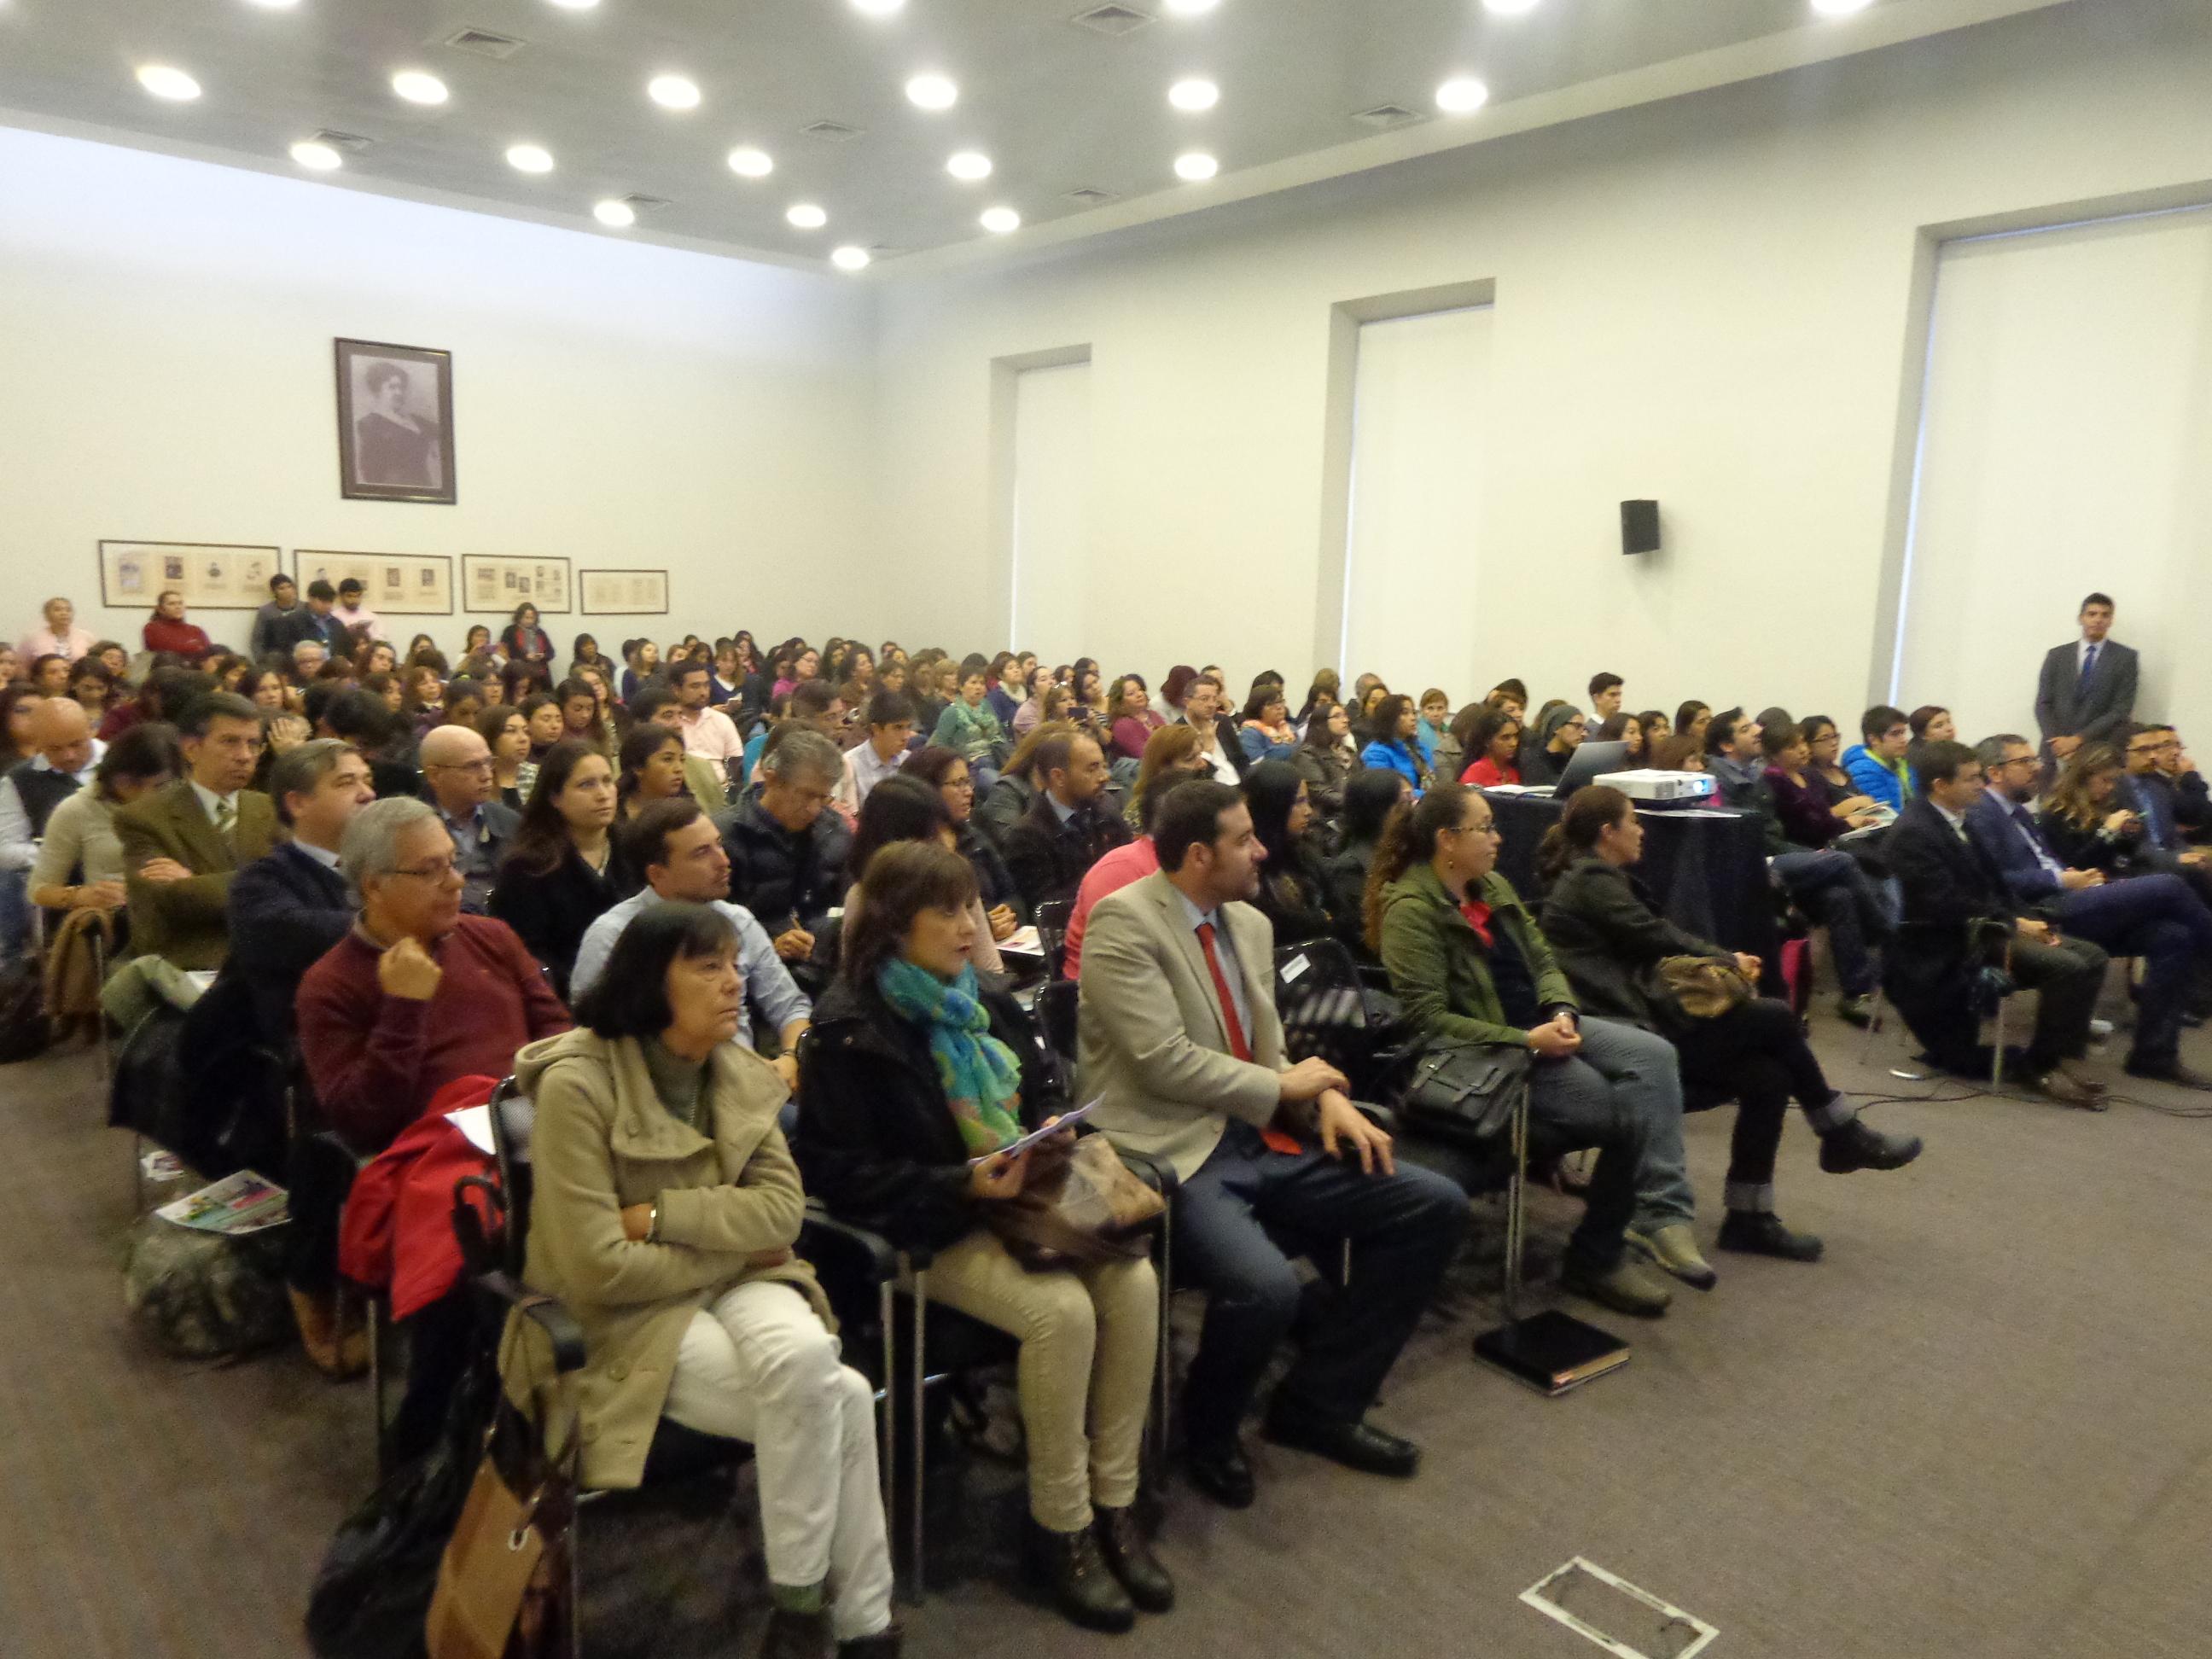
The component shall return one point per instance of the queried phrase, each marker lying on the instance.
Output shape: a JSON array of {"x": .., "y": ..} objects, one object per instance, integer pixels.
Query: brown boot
[{"x": 332, "y": 1350}]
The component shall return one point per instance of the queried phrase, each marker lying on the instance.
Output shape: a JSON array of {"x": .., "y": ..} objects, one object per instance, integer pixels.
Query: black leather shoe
[
  {"x": 884, "y": 1645},
  {"x": 1128, "y": 1556},
  {"x": 1855, "y": 1147},
  {"x": 1223, "y": 1472},
  {"x": 795, "y": 1635},
  {"x": 1760, "y": 1232},
  {"x": 1067, "y": 1564},
  {"x": 1357, "y": 1445}
]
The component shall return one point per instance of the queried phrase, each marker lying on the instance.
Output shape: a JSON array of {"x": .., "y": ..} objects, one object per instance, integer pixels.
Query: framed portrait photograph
[
  {"x": 500, "y": 582},
  {"x": 392, "y": 584},
  {"x": 211, "y": 576},
  {"x": 622, "y": 593},
  {"x": 395, "y": 423}
]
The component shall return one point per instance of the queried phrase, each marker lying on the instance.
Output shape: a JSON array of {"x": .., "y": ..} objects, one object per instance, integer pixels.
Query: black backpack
[{"x": 25, "y": 1031}]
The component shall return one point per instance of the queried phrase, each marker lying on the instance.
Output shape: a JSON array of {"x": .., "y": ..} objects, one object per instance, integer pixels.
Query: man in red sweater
[
  {"x": 417, "y": 993},
  {"x": 414, "y": 996}
]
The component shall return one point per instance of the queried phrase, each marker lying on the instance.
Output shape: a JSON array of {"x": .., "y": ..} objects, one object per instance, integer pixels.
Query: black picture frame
[{"x": 395, "y": 406}]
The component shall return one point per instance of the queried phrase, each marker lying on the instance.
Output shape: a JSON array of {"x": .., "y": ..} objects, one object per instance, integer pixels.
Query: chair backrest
[
  {"x": 1052, "y": 918},
  {"x": 510, "y": 1153},
  {"x": 1059, "y": 1006}
]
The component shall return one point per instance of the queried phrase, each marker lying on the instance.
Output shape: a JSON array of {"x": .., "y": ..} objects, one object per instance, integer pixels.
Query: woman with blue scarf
[{"x": 916, "y": 1080}]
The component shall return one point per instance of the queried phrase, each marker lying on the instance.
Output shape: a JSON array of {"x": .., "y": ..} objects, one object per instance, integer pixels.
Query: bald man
[
  {"x": 457, "y": 780},
  {"x": 67, "y": 753}
]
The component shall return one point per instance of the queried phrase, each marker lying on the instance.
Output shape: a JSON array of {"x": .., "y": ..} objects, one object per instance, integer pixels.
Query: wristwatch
[{"x": 653, "y": 1223}]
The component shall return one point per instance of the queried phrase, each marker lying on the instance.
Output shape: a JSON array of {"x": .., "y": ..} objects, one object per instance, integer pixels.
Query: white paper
[
  {"x": 1022, "y": 942},
  {"x": 1068, "y": 1121}
]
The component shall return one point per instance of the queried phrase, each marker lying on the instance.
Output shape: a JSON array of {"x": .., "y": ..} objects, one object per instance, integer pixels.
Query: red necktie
[{"x": 1237, "y": 1045}]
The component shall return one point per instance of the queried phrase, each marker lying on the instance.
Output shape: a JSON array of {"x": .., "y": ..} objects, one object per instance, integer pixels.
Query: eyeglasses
[
  {"x": 484, "y": 765},
  {"x": 438, "y": 872}
]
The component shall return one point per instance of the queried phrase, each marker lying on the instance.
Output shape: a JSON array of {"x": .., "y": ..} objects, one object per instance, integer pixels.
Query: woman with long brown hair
[
  {"x": 561, "y": 869},
  {"x": 2087, "y": 826},
  {"x": 1610, "y": 938}
]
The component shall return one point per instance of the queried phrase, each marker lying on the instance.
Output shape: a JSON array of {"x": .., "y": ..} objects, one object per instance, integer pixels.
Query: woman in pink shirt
[
  {"x": 60, "y": 637},
  {"x": 1134, "y": 722}
]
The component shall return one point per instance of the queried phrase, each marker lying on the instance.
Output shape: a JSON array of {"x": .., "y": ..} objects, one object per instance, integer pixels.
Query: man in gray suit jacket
[
  {"x": 2087, "y": 692},
  {"x": 1181, "y": 1042}
]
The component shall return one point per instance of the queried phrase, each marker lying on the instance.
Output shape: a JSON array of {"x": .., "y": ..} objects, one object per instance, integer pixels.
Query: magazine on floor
[{"x": 234, "y": 1205}]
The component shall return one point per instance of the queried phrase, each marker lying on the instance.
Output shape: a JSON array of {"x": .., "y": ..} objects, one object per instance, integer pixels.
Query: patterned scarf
[{"x": 978, "y": 1073}]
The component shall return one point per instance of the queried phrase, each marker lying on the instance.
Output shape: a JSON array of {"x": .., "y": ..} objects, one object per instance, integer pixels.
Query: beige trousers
[{"x": 1090, "y": 1337}]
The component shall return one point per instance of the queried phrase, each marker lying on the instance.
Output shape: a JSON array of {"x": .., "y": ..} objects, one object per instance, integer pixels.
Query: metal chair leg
[
  {"x": 920, "y": 1484},
  {"x": 576, "y": 1583},
  {"x": 887, "y": 1311},
  {"x": 1997, "y": 1048},
  {"x": 375, "y": 1309}
]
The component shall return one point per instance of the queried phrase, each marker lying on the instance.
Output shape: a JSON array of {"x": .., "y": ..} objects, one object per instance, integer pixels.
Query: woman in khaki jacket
[{"x": 666, "y": 1207}]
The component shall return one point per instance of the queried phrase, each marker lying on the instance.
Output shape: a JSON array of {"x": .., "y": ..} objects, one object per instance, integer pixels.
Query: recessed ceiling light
[
  {"x": 969, "y": 164},
  {"x": 750, "y": 162},
  {"x": 529, "y": 158},
  {"x": 850, "y": 258},
  {"x": 417, "y": 88},
  {"x": 166, "y": 82},
  {"x": 1000, "y": 220},
  {"x": 1195, "y": 166},
  {"x": 933, "y": 91},
  {"x": 1194, "y": 94},
  {"x": 1840, "y": 7},
  {"x": 616, "y": 216},
  {"x": 878, "y": 7},
  {"x": 806, "y": 216},
  {"x": 1191, "y": 7},
  {"x": 316, "y": 156},
  {"x": 673, "y": 92},
  {"x": 1510, "y": 7},
  {"x": 275, "y": 5},
  {"x": 1460, "y": 93},
  {"x": 575, "y": 5}
]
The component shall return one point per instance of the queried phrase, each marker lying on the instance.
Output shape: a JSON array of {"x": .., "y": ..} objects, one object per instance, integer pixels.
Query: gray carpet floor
[{"x": 1977, "y": 1429}]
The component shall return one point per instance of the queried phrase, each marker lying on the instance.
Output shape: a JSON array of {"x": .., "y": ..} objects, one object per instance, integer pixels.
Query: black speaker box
[{"x": 1639, "y": 527}]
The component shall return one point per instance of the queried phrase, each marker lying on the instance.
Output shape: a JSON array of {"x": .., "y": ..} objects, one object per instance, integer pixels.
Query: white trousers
[{"x": 758, "y": 1364}]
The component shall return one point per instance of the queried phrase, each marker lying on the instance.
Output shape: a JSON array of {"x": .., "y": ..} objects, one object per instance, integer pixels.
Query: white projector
[{"x": 1646, "y": 785}]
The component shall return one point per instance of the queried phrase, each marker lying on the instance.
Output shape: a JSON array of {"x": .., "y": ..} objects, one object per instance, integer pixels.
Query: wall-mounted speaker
[{"x": 1639, "y": 527}]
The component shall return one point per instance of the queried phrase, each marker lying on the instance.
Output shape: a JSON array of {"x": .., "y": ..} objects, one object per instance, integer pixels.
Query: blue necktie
[{"x": 2089, "y": 663}]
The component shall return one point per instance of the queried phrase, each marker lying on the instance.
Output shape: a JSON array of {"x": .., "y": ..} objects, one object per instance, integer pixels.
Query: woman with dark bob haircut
[
  {"x": 919, "y": 1079},
  {"x": 665, "y": 1211}
]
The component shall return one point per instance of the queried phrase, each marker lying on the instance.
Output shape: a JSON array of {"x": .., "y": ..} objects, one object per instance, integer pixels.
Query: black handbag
[{"x": 1464, "y": 1093}]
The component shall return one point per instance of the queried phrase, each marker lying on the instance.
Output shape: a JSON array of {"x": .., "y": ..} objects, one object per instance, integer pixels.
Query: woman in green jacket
[
  {"x": 664, "y": 1214},
  {"x": 968, "y": 727},
  {"x": 1470, "y": 966}
]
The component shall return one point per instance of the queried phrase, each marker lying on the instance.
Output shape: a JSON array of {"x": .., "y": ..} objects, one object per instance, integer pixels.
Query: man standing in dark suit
[
  {"x": 1053, "y": 846},
  {"x": 288, "y": 909},
  {"x": 2087, "y": 688},
  {"x": 1958, "y": 918}
]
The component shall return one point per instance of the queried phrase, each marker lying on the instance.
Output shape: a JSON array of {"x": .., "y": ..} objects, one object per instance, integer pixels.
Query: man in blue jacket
[
  {"x": 2154, "y": 916},
  {"x": 1877, "y": 765}
]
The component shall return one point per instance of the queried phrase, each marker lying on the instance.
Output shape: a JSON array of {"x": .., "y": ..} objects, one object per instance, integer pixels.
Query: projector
[{"x": 1654, "y": 786}]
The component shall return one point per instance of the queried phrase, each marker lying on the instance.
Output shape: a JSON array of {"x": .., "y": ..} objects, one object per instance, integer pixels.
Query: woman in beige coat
[{"x": 666, "y": 1207}]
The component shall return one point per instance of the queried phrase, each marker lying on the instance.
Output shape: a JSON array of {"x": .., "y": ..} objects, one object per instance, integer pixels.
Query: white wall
[
  {"x": 1710, "y": 300},
  {"x": 1050, "y": 516},
  {"x": 1420, "y": 452},
  {"x": 165, "y": 344},
  {"x": 2068, "y": 446}
]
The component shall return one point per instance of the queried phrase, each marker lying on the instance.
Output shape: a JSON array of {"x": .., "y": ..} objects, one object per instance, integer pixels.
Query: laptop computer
[{"x": 1584, "y": 765}]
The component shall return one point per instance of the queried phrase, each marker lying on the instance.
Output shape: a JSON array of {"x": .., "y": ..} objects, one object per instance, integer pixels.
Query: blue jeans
[
  {"x": 2160, "y": 918},
  {"x": 1621, "y": 1093},
  {"x": 1233, "y": 1219},
  {"x": 1837, "y": 893}
]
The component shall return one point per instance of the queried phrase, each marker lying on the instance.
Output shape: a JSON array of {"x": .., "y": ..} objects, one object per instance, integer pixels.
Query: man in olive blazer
[
  {"x": 177, "y": 858},
  {"x": 1180, "y": 1037}
]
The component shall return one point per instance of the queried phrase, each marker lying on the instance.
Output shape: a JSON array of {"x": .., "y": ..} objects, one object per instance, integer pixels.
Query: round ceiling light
[
  {"x": 749, "y": 162},
  {"x": 417, "y": 88},
  {"x": 166, "y": 82},
  {"x": 1195, "y": 166},
  {"x": 317, "y": 156},
  {"x": 529, "y": 158},
  {"x": 850, "y": 258},
  {"x": 805, "y": 215},
  {"x": 1194, "y": 94},
  {"x": 1191, "y": 7},
  {"x": 1460, "y": 94},
  {"x": 933, "y": 91},
  {"x": 1000, "y": 220},
  {"x": 575, "y": 5},
  {"x": 673, "y": 92},
  {"x": 616, "y": 215},
  {"x": 1840, "y": 7},
  {"x": 878, "y": 7},
  {"x": 970, "y": 165},
  {"x": 1510, "y": 7}
]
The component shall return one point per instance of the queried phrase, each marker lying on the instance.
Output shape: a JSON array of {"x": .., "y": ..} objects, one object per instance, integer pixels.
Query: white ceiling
[{"x": 1058, "y": 108}]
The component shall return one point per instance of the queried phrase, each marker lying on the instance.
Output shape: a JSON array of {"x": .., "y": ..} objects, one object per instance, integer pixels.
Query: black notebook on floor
[{"x": 1552, "y": 1351}]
